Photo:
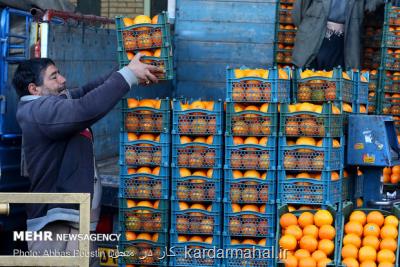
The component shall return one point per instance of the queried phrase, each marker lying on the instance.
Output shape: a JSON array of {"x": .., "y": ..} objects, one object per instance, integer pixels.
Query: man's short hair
[{"x": 30, "y": 71}]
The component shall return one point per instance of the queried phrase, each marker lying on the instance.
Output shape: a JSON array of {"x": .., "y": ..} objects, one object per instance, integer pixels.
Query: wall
[
  {"x": 213, "y": 34},
  {"x": 112, "y": 8}
]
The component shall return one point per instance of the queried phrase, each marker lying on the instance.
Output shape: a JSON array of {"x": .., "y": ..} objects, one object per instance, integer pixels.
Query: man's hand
[{"x": 144, "y": 72}]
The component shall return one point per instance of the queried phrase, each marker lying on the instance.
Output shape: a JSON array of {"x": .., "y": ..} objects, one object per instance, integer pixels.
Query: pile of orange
[
  {"x": 200, "y": 188},
  {"x": 247, "y": 123},
  {"x": 196, "y": 122},
  {"x": 143, "y": 185},
  {"x": 308, "y": 238},
  {"x": 142, "y": 37},
  {"x": 391, "y": 174},
  {"x": 370, "y": 240},
  {"x": 242, "y": 224},
  {"x": 143, "y": 120}
]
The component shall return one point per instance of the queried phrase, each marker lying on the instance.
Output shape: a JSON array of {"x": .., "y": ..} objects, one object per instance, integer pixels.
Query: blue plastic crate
[
  {"x": 142, "y": 253},
  {"x": 198, "y": 121},
  {"x": 391, "y": 62},
  {"x": 247, "y": 190},
  {"x": 311, "y": 158},
  {"x": 286, "y": 37},
  {"x": 195, "y": 221},
  {"x": 254, "y": 89},
  {"x": 197, "y": 188},
  {"x": 140, "y": 219},
  {"x": 250, "y": 255},
  {"x": 246, "y": 157},
  {"x": 146, "y": 119},
  {"x": 337, "y": 220},
  {"x": 309, "y": 191},
  {"x": 249, "y": 223},
  {"x": 361, "y": 81},
  {"x": 185, "y": 252},
  {"x": 143, "y": 152},
  {"x": 145, "y": 186},
  {"x": 347, "y": 186},
  {"x": 197, "y": 155},
  {"x": 321, "y": 88},
  {"x": 310, "y": 123},
  {"x": 251, "y": 123}
]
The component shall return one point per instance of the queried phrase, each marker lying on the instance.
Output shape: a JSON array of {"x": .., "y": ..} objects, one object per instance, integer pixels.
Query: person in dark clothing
[
  {"x": 57, "y": 141},
  {"x": 328, "y": 33}
]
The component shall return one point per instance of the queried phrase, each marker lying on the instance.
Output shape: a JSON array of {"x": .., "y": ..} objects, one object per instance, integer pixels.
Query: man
[
  {"x": 57, "y": 142},
  {"x": 329, "y": 31}
]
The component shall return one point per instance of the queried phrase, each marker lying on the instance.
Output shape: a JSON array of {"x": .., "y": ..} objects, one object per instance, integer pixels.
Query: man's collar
[{"x": 29, "y": 97}]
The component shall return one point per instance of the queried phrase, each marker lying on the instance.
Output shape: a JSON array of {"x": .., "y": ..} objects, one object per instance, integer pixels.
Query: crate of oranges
[
  {"x": 149, "y": 36},
  {"x": 258, "y": 85},
  {"x": 370, "y": 237},
  {"x": 307, "y": 119},
  {"x": 307, "y": 237},
  {"x": 197, "y": 117},
  {"x": 321, "y": 86},
  {"x": 251, "y": 120},
  {"x": 146, "y": 115},
  {"x": 150, "y": 150},
  {"x": 143, "y": 228},
  {"x": 310, "y": 154},
  {"x": 144, "y": 183},
  {"x": 314, "y": 188}
]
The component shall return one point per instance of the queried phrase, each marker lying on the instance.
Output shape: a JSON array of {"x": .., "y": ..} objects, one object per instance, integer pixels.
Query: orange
[
  {"x": 237, "y": 140},
  {"x": 335, "y": 176},
  {"x": 371, "y": 229},
  {"x": 252, "y": 174},
  {"x": 130, "y": 203},
  {"x": 386, "y": 255},
  {"x": 309, "y": 141},
  {"x": 148, "y": 137},
  {"x": 144, "y": 170},
  {"x": 146, "y": 102},
  {"x": 132, "y": 137},
  {"x": 394, "y": 178},
  {"x": 349, "y": 251},
  {"x": 311, "y": 230},
  {"x": 389, "y": 231},
  {"x": 154, "y": 238},
  {"x": 185, "y": 139},
  {"x": 352, "y": 239},
  {"x": 350, "y": 262},
  {"x": 251, "y": 141},
  {"x": 295, "y": 231},
  {"x": 157, "y": 53},
  {"x": 182, "y": 239},
  {"x": 306, "y": 218},
  {"x": 235, "y": 242},
  {"x": 392, "y": 220},
  {"x": 302, "y": 253},
  {"x": 154, "y": 20},
  {"x": 199, "y": 173},
  {"x": 375, "y": 217},
  {"x": 210, "y": 140},
  {"x": 198, "y": 206},
  {"x": 318, "y": 255},
  {"x": 388, "y": 243},
  {"x": 199, "y": 140},
  {"x": 290, "y": 261},
  {"x": 156, "y": 203},
  {"x": 327, "y": 232},
  {"x": 368, "y": 264},
  {"x": 386, "y": 264},
  {"x": 237, "y": 174},
  {"x": 326, "y": 246},
  {"x": 288, "y": 219},
  {"x": 323, "y": 217},
  {"x": 358, "y": 216},
  {"x": 336, "y": 143},
  {"x": 236, "y": 208},
  {"x": 309, "y": 243},
  {"x": 263, "y": 141},
  {"x": 210, "y": 173},
  {"x": 130, "y": 236},
  {"x": 264, "y": 107},
  {"x": 323, "y": 262},
  {"x": 249, "y": 242},
  {"x": 144, "y": 203},
  {"x": 387, "y": 171},
  {"x": 127, "y": 22},
  {"x": 208, "y": 240},
  {"x": 250, "y": 207},
  {"x": 144, "y": 236},
  {"x": 371, "y": 241},
  {"x": 140, "y": 19},
  {"x": 288, "y": 242},
  {"x": 131, "y": 171},
  {"x": 184, "y": 172},
  {"x": 353, "y": 228},
  {"x": 307, "y": 262},
  {"x": 183, "y": 206},
  {"x": 366, "y": 253},
  {"x": 156, "y": 171},
  {"x": 396, "y": 169}
]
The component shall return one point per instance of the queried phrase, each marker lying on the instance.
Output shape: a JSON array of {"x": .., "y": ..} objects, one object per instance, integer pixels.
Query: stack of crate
[
  {"x": 311, "y": 138},
  {"x": 150, "y": 37},
  {"x": 250, "y": 160},
  {"x": 196, "y": 180},
  {"x": 285, "y": 33},
  {"x": 144, "y": 184},
  {"x": 389, "y": 94}
]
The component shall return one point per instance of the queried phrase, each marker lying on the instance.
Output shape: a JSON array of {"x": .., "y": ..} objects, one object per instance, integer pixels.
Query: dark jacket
[
  {"x": 311, "y": 16},
  {"x": 58, "y": 149}
]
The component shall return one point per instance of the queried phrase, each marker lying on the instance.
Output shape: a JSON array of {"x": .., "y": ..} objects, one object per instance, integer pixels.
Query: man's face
[{"x": 53, "y": 82}]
